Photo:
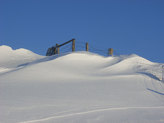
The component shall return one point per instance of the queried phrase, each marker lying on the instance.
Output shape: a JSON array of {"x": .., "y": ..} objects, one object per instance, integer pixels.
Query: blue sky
[{"x": 128, "y": 26}]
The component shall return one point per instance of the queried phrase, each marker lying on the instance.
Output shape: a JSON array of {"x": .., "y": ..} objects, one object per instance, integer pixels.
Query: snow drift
[
  {"x": 79, "y": 87},
  {"x": 10, "y": 58}
]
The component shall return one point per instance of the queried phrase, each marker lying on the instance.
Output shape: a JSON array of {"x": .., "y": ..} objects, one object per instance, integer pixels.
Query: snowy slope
[
  {"x": 79, "y": 87},
  {"x": 10, "y": 58}
]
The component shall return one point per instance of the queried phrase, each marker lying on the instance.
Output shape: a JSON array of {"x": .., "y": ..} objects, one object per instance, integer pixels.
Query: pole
[
  {"x": 87, "y": 47},
  {"x": 110, "y": 51},
  {"x": 66, "y": 43},
  {"x": 162, "y": 73},
  {"x": 57, "y": 48},
  {"x": 73, "y": 45},
  {"x": 53, "y": 50}
]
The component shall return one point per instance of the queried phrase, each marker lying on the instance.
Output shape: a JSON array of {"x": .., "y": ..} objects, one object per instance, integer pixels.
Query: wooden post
[
  {"x": 87, "y": 47},
  {"x": 163, "y": 73},
  {"x": 73, "y": 45},
  {"x": 110, "y": 51},
  {"x": 53, "y": 49},
  {"x": 57, "y": 49}
]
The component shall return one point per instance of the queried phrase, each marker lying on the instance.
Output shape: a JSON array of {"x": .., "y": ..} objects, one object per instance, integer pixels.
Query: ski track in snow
[{"x": 89, "y": 112}]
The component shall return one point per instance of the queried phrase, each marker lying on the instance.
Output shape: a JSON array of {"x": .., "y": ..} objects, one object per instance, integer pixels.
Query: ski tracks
[{"x": 88, "y": 112}]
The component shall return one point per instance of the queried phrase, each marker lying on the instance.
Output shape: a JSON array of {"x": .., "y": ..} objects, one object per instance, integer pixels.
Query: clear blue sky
[{"x": 128, "y": 26}]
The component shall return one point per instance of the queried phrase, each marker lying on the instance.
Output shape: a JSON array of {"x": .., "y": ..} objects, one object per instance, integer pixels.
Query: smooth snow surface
[
  {"x": 79, "y": 87},
  {"x": 10, "y": 58}
]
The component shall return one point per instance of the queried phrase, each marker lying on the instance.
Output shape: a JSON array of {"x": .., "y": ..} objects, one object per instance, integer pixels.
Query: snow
[
  {"x": 10, "y": 58},
  {"x": 79, "y": 87}
]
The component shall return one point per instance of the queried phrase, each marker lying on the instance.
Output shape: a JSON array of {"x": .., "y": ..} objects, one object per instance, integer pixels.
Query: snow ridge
[{"x": 79, "y": 87}]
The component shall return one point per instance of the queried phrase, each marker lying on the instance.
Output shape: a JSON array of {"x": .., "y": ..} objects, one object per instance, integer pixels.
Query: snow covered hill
[
  {"x": 79, "y": 87},
  {"x": 10, "y": 58}
]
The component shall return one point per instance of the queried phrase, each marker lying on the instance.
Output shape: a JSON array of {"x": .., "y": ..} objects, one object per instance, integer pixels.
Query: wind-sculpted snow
[
  {"x": 10, "y": 58},
  {"x": 79, "y": 87}
]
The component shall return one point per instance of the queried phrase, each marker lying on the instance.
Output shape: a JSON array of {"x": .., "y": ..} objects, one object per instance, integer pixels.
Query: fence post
[
  {"x": 57, "y": 48},
  {"x": 87, "y": 47},
  {"x": 53, "y": 50},
  {"x": 73, "y": 45},
  {"x": 110, "y": 51},
  {"x": 162, "y": 73}
]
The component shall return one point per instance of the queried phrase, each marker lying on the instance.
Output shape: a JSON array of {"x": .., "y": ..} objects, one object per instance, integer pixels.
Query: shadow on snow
[{"x": 155, "y": 91}]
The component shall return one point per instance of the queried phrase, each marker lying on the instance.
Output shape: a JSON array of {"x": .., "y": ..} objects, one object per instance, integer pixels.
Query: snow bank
[
  {"x": 13, "y": 58},
  {"x": 79, "y": 87}
]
